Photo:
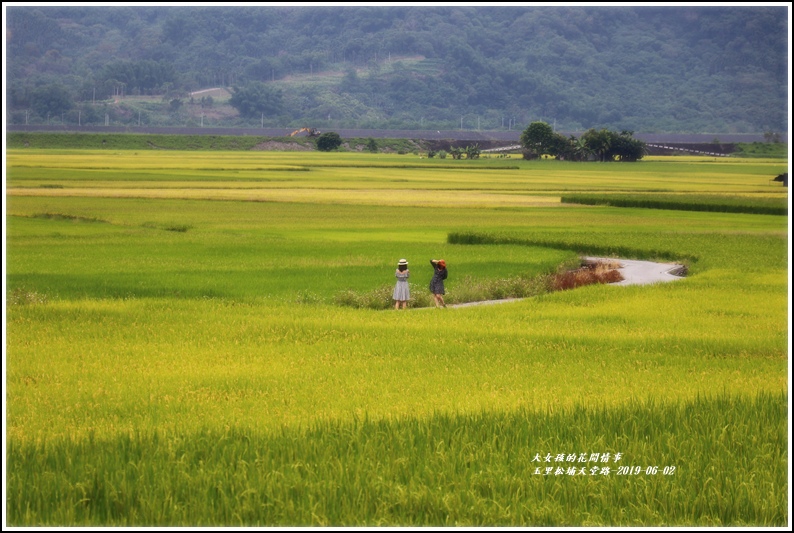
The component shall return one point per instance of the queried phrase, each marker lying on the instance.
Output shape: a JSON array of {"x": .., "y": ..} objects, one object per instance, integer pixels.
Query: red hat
[{"x": 442, "y": 263}]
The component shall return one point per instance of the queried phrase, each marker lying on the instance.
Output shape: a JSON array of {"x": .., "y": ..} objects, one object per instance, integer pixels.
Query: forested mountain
[{"x": 646, "y": 69}]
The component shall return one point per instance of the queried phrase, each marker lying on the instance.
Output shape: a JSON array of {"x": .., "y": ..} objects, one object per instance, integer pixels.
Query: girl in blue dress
[{"x": 437, "y": 283}]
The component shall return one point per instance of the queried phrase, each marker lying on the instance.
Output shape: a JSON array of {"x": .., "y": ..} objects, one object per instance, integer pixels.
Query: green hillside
[{"x": 681, "y": 69}]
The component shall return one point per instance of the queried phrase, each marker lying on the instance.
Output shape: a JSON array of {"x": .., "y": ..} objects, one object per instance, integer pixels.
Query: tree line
[{"x": 539, "y": 139}]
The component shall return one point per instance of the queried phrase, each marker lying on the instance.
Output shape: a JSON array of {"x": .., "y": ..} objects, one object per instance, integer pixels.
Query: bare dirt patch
[{"x": 282, "y": 147}]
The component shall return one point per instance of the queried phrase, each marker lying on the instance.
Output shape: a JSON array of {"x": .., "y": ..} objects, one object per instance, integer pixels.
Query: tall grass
[
  {"x": 759, "y": 149},
  {"x": 760, "y": 206},
  {"x": 132, "y": 141},
  {"x": 570, "y": 242},
  {"x": 713, "y": 461}
]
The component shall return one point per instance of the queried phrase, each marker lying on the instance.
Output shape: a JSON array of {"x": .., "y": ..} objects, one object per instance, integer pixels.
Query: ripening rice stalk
[{"x": 710, "y": 461}]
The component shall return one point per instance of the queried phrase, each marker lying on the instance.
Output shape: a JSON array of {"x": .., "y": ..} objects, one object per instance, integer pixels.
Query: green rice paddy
[{"x": 176, "y": 354}]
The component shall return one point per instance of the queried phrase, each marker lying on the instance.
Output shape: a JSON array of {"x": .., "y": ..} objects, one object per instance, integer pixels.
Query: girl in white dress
[{"x": 401, "y": 291}]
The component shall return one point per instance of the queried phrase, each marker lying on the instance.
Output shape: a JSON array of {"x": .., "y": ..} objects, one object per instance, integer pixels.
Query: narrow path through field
[
  {"x": 643, "y": 272},
  {"x": 634, "y": 273}
]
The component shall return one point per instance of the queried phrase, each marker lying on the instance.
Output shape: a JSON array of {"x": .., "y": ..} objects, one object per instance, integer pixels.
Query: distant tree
[
  {"x": 50, "y": 100},
  {"x": 473, "y": 152},
  {"x": 143, "y": 76},
  {"x": 329, "y": 141},
  {"x": 624, "y": 147},
  {"x": 455, "y": 152},
  {"x": 771, "y": 137},
  {"x": 579, "y": 149},
  {"x": 561, "y": 147},
  {"x": 537, "y": 138},
  {"x": 610, "y": 146},
  {"x": 372, "y": 145},
  {"x": 350, "y": 81},
  {"x": 89, "y": 114},
  {"x": 598, "y": 143},
  {"x": 18, "y": 95},
  {"x": 167, "y": 89},
  {"x": 256, "y": 99}
]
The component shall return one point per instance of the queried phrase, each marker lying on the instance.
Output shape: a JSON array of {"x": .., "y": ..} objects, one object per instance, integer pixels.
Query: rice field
[{"x": 177, "y": 355}]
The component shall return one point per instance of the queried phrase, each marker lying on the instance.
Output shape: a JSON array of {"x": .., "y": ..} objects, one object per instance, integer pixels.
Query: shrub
[
  {"x": 588, "y": 274},
  {"x": 329, "y": 141}
]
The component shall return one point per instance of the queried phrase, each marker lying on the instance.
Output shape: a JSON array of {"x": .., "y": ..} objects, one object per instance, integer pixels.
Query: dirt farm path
[{"x": 634, "y": 273}]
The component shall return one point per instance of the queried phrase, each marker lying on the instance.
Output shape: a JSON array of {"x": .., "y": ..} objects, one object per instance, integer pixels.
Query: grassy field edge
[{"x": 718, "y": 460}]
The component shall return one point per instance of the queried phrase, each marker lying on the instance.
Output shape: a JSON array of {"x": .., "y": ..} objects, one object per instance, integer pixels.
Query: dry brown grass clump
[{"x": 588, "y": 274}]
